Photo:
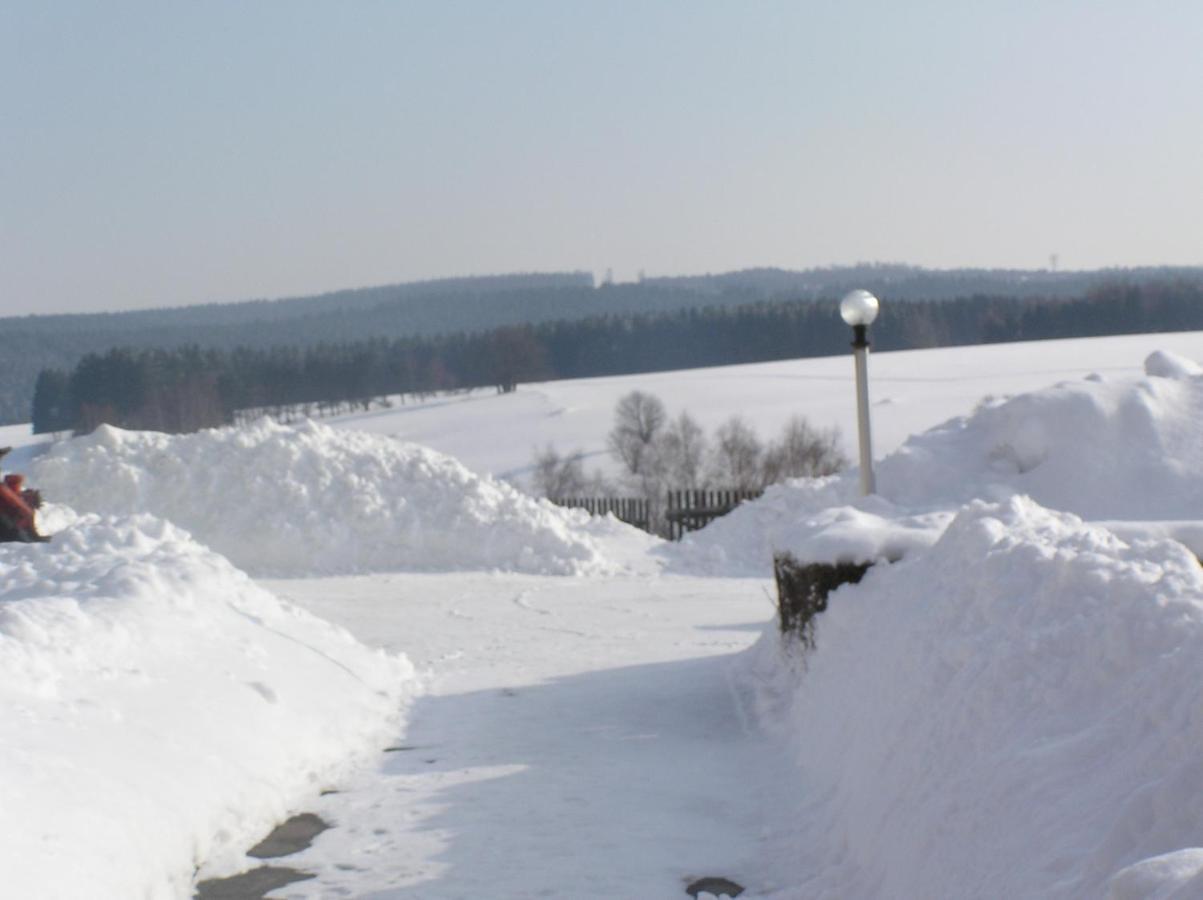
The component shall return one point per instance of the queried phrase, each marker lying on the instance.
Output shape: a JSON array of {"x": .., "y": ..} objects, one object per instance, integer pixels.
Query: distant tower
[
  {"x": 1052, "y": 261},
  {"x": 609, "y": 277}
]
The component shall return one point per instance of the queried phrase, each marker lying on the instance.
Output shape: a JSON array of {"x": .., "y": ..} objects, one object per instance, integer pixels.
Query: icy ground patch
[
  {"x": 580, "y": 738},
  {"x": 157, "y": 708},
  {"x": 285, "y": 501}
]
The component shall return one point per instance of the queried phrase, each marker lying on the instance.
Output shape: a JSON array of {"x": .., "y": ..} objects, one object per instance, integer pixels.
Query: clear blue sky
[{"x": 166, "y": 152}]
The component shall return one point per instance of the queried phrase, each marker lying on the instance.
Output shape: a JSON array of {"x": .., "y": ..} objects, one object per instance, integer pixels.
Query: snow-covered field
[
  {"x": 1011, "y": 708},
  {"x": 911, "y": 391}
]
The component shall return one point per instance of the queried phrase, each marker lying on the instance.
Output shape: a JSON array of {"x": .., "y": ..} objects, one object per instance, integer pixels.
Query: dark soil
[{"x": 287, "y": 838}]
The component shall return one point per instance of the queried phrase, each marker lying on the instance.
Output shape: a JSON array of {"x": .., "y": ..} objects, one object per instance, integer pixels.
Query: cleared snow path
[{"x": 581, "y": 738}]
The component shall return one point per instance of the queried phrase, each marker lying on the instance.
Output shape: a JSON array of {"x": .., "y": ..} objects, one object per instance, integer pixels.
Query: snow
[
  {"x": 1006, "y": 705},
  {"x": 22, "y": 436},
  {"x": 1165, "y": 364},
  {"x": 576, "y": 740},
  {"x": 1124, "y": 450},
  {"x": 1010, "y": 707},
  {"x": 1013, "y": 712},
  {"x": 1103, "y": 449},
  {"x": 910, "y": 391},
  {"x": 1173, "y": 876},
  {"x": 282, "y": 500},
  {"x": 790, "y": 518},
  {"x": 161, "y": 709}
]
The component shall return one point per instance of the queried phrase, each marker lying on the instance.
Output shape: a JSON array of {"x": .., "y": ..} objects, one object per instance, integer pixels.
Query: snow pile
[
  {"x": 1164, "y": 364},
  {"x": 1103, "y": 450},
  {"x": 280, "y": 500},
  {"x": 789, "y": 517},
  {"x": 158, "y": 709},
  {"x": 1124, "y": 450},
  {"x": 1012, "y": 708},
  {"x": 1013, "y": 712}
]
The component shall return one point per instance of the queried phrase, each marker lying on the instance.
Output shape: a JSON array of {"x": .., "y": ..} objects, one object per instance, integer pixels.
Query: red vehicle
[{"x": 17, "y": 507}]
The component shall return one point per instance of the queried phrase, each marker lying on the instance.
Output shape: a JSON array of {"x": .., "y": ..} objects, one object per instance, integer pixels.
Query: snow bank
[
  {"x": 286, "y": 501},
  {"x": 1115, "y": 450},
  {"x": 1164, "y": 364},
  {"x": 158, "y": 709},
  {"x": 1012, "y": 709},
  {"x": 1013, "y": 712},
  {"x": 790, "y": 517},
  {"x": 1103, "y": 450}
]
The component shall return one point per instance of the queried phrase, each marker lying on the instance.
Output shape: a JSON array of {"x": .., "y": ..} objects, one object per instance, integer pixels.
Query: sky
[{"x": 162, "y": 152}]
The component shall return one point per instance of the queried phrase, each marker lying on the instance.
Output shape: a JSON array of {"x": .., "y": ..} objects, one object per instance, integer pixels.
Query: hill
[{"x": 472, "y": 305}]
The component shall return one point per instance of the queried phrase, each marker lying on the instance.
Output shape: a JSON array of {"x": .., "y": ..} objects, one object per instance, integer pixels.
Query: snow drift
[
  {"x": 791, "y": 517},
  {"x": 1013, "y": 712},
  {"x": 1012, "y": 708},
  {"x": 158, "y": 709},
  {"x": 279, "y": 500},
  {"x": 1103, "y": 450},
  {"x": 1123, "y": 450}
]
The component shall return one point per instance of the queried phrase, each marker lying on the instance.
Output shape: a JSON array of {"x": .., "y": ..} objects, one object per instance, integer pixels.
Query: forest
[
  {"x": 475, "y": 305},
  {"x": 185, "y": 388}
]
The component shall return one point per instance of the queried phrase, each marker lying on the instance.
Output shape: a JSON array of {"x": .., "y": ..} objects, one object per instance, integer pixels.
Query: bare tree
[
  {"x": 803, "y": 451},
  {"x": 638, "y": 419},
  {"x": 682, "y": 450},
  {"x": 558, "y": 476},
  {"x": 736, "y": 456}
]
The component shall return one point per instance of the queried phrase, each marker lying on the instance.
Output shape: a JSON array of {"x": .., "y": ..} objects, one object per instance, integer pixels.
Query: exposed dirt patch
[
  {"x": 250, "y": 885},
  {"x": 718, "y": 887},
  {"x": 289, "y": 837},
  {"x": 285, "y": 839}
]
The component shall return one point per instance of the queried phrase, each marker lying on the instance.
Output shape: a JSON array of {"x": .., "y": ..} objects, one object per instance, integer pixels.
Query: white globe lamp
[{"x": 859, "y": 308}]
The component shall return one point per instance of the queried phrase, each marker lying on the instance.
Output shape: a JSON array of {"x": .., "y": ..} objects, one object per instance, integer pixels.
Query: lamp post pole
[{"x": 859, "y": 309}]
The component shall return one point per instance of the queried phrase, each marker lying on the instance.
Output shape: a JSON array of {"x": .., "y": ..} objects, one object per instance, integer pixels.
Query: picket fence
[{"x": 682, "y": 512}]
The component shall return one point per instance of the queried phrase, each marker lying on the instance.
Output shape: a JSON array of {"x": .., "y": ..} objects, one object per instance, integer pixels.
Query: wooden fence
[
  {"x": 632, "y": 510},
  {"x": 691, "y": 510},
  {"x": 683, "y": 511}
]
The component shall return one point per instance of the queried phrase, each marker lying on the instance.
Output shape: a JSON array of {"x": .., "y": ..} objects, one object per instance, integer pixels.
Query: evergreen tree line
[
  {"x": 448, "y": 306},
  {"x": 182, "y": 389}
]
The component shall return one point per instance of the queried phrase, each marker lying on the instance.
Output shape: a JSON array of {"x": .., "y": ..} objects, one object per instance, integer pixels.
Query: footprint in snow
[
  {"x": 263, "y": 691},
  {"x": 522, "y": 601}
]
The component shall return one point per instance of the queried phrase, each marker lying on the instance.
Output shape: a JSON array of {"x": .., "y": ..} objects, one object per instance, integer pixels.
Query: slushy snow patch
[
  {"x": 159, "y": 710},
  {"x": 1013, "y": 712},
  {"x": 279, "y": 500}
]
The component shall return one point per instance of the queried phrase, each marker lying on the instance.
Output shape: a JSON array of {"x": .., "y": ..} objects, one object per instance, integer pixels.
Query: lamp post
[{"x": 859, "y": 309}]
